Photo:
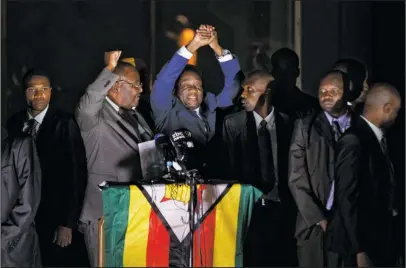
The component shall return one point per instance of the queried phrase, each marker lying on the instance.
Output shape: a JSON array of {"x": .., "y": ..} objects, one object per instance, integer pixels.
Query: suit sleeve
[
  {"x": 232, "y": 75},
  {"x": 75, "y": 174},
  {"x": 299, "y": 178},
  {"x": 91, "y": 103},
  {"x": 348, "y": 153},
  {"x": 28, "y": 172}
]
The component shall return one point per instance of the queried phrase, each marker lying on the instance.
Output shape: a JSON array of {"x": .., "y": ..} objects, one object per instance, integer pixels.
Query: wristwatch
[{"x": 225, "y": 53}]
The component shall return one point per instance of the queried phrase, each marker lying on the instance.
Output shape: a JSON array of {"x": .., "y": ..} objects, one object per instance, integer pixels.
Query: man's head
[
  {"x": 189, "y": 87},
  {"x": 382, "y": 104},
  {"x": 256, "y": 90},
  {"x": 357, "y": 73},
  {"x": 37, "y": 85},
  {"x": 331, "y": 92},
  {"x": 285, "y": 66},
  {"x": 127, "y": 90}
]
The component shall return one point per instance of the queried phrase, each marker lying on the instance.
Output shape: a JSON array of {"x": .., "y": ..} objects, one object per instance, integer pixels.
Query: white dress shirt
[
  {"x": 39, "y": 117},
  {"x": 115, "y": 106}
]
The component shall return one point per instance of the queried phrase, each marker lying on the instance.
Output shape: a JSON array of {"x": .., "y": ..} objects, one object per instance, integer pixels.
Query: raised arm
[
  {"x": 299, "y": 178},
  {"x": 90, "y": 104},
  {"x": 230, "y": 67}
]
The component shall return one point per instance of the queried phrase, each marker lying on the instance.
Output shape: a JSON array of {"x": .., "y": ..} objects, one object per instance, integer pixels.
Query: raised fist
[{"x": 111, "y": 58}]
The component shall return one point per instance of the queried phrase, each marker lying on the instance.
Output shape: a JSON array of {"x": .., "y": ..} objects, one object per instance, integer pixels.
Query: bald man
[{"x": 361, "y": 227}]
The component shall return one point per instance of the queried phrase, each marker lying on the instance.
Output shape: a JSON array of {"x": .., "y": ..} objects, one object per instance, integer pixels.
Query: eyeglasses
[
  {"x": 34, "y": 90},
  {"x": 134, "y": 85}
]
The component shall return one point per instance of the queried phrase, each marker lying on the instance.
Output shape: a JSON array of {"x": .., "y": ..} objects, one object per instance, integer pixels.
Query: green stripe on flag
[
  {"x": 116, "y": 202},
  {"x": 248, "y": 197}
]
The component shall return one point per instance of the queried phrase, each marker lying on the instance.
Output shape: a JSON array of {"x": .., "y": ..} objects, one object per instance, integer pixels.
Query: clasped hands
[{"x": 205, "y": 35}]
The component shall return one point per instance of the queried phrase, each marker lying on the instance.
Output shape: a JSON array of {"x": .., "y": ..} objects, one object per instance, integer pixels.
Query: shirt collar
[
  {"x": 115, "y": 106},
  {"x": 269, "y": 118},
  {"x": 377, "y": 131},
  {"x": 197, "y": 110},
  {"x": 343, "y": 120},
  {"x": 39, "y": 117}
]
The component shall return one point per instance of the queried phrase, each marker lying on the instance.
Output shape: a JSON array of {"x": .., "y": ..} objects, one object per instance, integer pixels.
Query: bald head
[
  {"x": 382, "y": 104},
  {"x": 258, "y": 76}
]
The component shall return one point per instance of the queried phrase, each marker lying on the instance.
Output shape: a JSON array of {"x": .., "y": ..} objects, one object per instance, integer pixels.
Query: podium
[{"x": 147, "y": 225}]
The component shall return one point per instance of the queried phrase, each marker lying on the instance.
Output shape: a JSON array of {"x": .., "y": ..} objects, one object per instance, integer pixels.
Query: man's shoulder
[{"x": 236, "y": 118}]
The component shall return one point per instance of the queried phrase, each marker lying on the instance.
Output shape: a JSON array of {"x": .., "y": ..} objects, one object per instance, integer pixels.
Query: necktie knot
[
  {"x": 263, "y": 124},
  {"x": 31, "y": 127}
]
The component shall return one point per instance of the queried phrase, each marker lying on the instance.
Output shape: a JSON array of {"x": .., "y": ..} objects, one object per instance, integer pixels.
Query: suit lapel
[
  {"x": 120, "y": 126},
  {"x": 322, "y": 126},
  {"x": 251, "y": 145},
  {"x": 45, "y": 129},
  {"x": 144, "y": 124}
]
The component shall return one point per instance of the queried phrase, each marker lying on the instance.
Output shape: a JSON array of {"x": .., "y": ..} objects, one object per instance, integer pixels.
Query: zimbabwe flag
[{"x": 148, "y": 226}]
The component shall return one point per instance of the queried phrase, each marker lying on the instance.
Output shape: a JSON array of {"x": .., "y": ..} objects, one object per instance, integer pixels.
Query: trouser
[
  {"x": 90, "y": 230},
  {"x": 270, "y": 241}
]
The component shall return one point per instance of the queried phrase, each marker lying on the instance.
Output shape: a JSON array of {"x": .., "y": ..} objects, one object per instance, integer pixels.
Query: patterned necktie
[
  {"x": 336, "y": 130},
  {"x": 131, "y": 117},
  {"x": 206, "y": 125},
  {"x": 30, "y": 127},
  {"x": 266, "y": 158}
]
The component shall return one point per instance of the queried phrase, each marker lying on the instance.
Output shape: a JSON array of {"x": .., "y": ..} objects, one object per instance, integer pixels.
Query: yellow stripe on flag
[
  {"x": 225, "y": 235},
  {"x": 136, "y": 237}
]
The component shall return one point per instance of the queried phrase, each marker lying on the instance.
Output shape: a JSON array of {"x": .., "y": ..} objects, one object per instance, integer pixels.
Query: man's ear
[{"x": 387, "y": 108}]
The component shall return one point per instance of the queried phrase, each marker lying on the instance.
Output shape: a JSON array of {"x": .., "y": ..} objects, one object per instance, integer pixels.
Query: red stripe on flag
[
  {"x": 158, "y": 243},
  {"x": 203, "y": 241}
]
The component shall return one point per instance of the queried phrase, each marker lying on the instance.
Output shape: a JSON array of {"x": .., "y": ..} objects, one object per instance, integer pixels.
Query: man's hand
[
  {"x": 362, "y": 260},
  {"x": 63, "y": 236},
  {"x": 204, "y": 36},
  {"x": 111, "y": 58},
  {"x": 323, "y": 225}
]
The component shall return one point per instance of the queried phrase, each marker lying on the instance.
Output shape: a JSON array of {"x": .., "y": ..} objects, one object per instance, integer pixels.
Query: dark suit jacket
[
  {"x": 20, "y": 198},
  {"x": 362, "y": 221},
  {"x": 111, "y": 143},
  {"x": 242, "y": 153},
  {"x": 63, "y": 163},
  {"x": 311, "y": 169}
]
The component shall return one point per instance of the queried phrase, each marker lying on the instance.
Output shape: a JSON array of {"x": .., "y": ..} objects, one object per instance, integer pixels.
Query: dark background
[{"x": 68, "y": 38}]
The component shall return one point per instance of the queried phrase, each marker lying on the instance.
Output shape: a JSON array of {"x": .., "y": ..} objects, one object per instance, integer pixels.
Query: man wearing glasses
[
  {"x": 111, "y": 129},
  {"x": 63, "y": 164}
]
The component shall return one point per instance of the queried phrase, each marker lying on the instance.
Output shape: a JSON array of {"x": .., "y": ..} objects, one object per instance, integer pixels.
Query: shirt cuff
[
  {"x": 225, "y": 58},
  {"x": 183, "y": 52}
]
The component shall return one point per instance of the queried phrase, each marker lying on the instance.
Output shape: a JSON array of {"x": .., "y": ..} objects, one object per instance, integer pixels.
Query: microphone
[{"x": 182, "y": 142}]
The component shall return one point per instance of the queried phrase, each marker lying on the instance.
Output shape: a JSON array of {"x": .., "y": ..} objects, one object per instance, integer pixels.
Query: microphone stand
[{"x": 192, "y": 179}]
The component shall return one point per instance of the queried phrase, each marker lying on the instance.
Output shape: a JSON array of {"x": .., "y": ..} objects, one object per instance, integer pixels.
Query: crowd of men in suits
[{"x": 330, "y": 196}]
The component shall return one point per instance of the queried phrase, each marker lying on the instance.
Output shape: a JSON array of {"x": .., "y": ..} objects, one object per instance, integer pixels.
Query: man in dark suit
[
  {"x": 288, "y": 98},
  {"x": 20, "y": 198},
  {"x": 311, "y": 165},
  {"x": 111, "y": 128},
  {"x": 365, "y": 202},
  {"x": 63, "y": 163},
  {"x": 257, "y": 145}
]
